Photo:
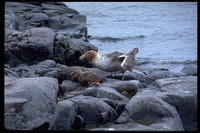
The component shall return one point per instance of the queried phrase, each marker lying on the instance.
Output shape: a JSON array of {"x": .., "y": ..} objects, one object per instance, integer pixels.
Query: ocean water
[{"x": 164, "y": 32}]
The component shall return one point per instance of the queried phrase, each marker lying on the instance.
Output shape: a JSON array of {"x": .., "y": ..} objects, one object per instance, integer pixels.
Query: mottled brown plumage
[{"x": 112, "y": 62}]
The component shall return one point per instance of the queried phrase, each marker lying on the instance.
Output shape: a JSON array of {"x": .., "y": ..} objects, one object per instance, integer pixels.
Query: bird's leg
[{"x": 122, "y": 76}]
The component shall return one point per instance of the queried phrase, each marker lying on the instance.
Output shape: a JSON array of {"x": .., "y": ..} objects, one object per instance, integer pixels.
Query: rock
[
  {"x": 101, "y": 73},
  {"x": 19, "y": 8},
  {"x": 186, "y": 106},
  {"x": 130, "y": 86},
  {"x": 38, "y": 19},
  {"x": 182, "y": 94},
  {"x": 68, "y": 85},
  {"x": 39, "y": 24},
  {"x": 40, "y": 14},
  {"x": 68, "y": 50},
  {"x": 64, "y": 116},
  {"x": 151, "y": 112},
  {"x": 29, "y": 102},
  {"x": 93, "y": 111},
  {"x": 37, "y": 70},
  {"x": 163, "y": 73},
  {"x": 8, "y": 80},
  {"x": 104, "y": 92},
  {"x": 178, "y": 85},
  {"x": 11, "y": 21},
  {"x": 47, "y": 64},
  {"x": 30, "y": 47},
  {"x": 59, "y": 7},
  {"x": 190, "y": 70},
  {"x": 147, "y": 79},
  {"x": 149, "y": 76}
]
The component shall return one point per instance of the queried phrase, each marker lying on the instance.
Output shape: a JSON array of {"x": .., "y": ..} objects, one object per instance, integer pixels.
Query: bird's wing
[
  {"x": 113, "y": 57},
  {"x": 128, "y": 62}
]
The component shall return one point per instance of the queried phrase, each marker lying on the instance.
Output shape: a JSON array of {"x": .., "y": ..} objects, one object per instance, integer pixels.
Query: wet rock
[
  {"x": 182, "y": 94},
  {"x": 101, "y": 73},
  {"x": 104, "y": 92},
  {"x": 45, "y": 31},
  {"x": 163, "y": 73},
  {"x": 64, "y": 116},
  {"x": 68, "y": 85},
  {"x": 68, "y": 50},
  {"x": 93, "y": 111},
  {"x": 178, "y": 85},
  {"x": 151, "y": 112},
  {"x": 29, "y": 102},
  {"x": 127, "y": 86},
  {"x": 30, "y": 47},
  {"x": 40, "y": 14},
  {"x": 186, "y": 106},
  {"x": 143, "y": 78},
  {"x": 47, "y": 64},
  {"x": 149, "y": 76},
  {"x": 37, "y": 70},
  {"x": 11, "y": 21},
  {"x": 190, "y": 70}
]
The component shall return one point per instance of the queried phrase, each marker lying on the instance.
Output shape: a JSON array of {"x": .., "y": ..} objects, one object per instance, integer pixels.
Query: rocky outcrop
[
  {"x": 152, "y": 112},
  {"x": 38, "y": 31},
  {"x": 168, "y": 104},
  {"x": 29, "y": 102},
  {"x": 64, "y": 116},
  {"x": 183, "y": 95},
  {"x": 47, "y": 88}
]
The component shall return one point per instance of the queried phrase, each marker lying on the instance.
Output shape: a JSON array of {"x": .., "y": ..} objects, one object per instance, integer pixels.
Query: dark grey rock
[
  {"x": 37, "y": 19},
  {"x": 178, "y": 85},
  {"x": 29, "y": 102},
  {"x": 104, "y": 92},
  {"x": 64, "y": 116},
  {"x": 68, "y": 51},
  {"x": 152, "y": 112},
  {"x": 11, "y": 21},
  {"x": 127, "y": 86},
  {"x": 68, "y": 85},
  {"x": 33, "y": 46},
  {"x": 93, "y": 111},
  {"x": 181, "y": 93},
  {"x": 190, "y": 70}
]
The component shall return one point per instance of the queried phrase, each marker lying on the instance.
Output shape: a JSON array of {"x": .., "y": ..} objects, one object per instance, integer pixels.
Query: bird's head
[{"x": 89, "y": 55}]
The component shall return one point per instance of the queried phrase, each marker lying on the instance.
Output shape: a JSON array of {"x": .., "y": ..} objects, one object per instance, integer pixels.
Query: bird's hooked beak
[{"x": 82, "y": 57}]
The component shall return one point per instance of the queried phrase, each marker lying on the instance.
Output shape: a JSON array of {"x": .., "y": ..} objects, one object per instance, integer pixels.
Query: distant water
[{"x": 164, "y": 32}]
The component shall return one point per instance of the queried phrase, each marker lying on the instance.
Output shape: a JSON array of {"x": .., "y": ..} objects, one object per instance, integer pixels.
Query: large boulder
[
  {"x": 29, "y": 102},
  {"x": 152, "y": 112},
  {"x": 181, "y": 92},
  {"x": 35, "y": 31},
  {"x": 93, "y": 111},
  {"x": 68, "y": 50},
  {"x": 64, "y": 116},
  {"x": 11, "y": 21},
  {"x": 30, "y": 46},
  {"x": 44, "y": 14},
  {"x": 104, "y": 92},
  {"x": 190, "y": 70}
]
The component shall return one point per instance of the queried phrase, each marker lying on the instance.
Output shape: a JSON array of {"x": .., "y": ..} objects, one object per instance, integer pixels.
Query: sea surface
[{"x": 164, "y": 32}]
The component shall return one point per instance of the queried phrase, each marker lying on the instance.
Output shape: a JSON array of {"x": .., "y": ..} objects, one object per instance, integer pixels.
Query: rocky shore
[{"x": 46, "y": 87}]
